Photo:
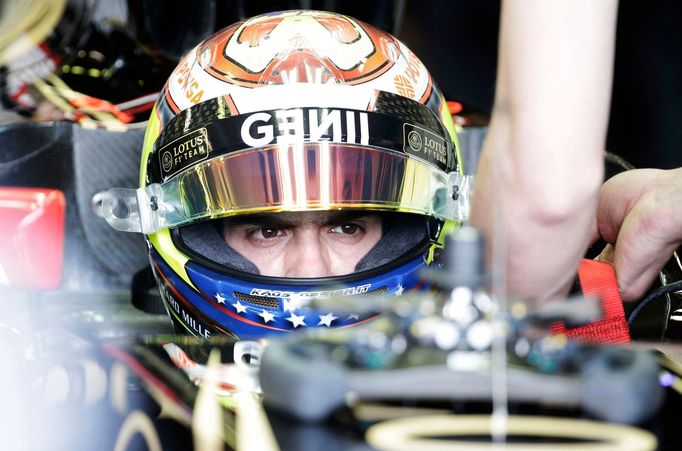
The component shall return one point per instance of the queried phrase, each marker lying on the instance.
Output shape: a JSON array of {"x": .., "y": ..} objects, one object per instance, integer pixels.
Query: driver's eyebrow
[
  {"x": 270, "y": 220},
  {"x": 292, "y": 219}
]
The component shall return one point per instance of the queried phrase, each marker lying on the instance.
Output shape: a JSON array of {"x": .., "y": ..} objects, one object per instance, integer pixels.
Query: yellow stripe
[
  {"x": 164, "y": 245},
  {"x": 153, "y": 130},
  {"x": 49, "y": 92},
  {"x": 162, "y": 241},
  {"x": 60, "y": 84},
  {"x": 172, "y": 312},
  {"x": 108, "y": 119},
  {"x": 448, "y": 228},
  {"x": 446, "y": 117}
]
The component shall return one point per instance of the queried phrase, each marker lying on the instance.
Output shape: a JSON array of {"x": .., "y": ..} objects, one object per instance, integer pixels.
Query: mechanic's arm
[
  {"x": 640, "y": 215},
  {"x": 542, "y": 164}
]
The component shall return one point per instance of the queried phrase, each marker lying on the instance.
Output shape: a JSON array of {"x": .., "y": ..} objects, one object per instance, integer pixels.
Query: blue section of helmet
[{"x": 226, "y": 304}]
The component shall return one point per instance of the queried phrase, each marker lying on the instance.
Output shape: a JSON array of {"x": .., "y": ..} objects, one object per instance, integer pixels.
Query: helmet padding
[
  {"x": 204, "y": 239},
  {"x": 401, "y": 233}
]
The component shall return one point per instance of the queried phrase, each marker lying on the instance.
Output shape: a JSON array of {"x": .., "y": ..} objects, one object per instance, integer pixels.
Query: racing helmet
[{"x": 291, "y": 111}]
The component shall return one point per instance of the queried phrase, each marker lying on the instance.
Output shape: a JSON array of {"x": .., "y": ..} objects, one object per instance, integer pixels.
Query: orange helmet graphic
[{"x": 297, "y": 47}]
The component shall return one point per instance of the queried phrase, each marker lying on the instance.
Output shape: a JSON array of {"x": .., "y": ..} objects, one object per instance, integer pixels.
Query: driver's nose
[{"x": 307, "y": 256}]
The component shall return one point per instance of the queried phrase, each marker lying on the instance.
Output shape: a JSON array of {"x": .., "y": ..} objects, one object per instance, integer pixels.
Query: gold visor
[{"x": 292, "y": 177}]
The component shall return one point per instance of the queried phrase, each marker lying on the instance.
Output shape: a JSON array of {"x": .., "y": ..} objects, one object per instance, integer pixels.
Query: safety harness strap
[{"x": 598, "y": 279}]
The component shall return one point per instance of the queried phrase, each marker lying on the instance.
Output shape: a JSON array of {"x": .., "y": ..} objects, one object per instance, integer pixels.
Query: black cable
[
  {"x": 658, "y": 292},
  {"x": 145, "y": 292}
]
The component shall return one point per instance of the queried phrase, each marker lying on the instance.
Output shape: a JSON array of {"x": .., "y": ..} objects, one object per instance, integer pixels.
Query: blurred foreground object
[
  {"x": 32, "y": 224},
  {"x": 26, "y": 23}
]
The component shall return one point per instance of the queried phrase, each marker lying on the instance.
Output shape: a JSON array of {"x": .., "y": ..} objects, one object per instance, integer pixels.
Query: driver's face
[{"x": 305, "y": 244}]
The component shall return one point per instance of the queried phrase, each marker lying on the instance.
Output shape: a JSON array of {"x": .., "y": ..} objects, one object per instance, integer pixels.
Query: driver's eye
[
  {"x": 269, "y": 232},
  {"x": 349, "y": 229}
]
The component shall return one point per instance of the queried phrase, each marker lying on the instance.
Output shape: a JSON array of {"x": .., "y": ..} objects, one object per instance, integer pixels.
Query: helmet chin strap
[{"x": 398, "y": 238}]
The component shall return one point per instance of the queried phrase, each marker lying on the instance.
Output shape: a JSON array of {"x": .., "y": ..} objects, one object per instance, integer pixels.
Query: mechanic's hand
[{"x": 640, "y": 216}]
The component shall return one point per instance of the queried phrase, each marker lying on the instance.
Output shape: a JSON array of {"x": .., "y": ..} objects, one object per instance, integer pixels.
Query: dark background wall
[{"x": 457, "y": 40}]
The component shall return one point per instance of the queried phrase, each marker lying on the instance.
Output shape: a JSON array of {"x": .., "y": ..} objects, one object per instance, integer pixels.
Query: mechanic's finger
[
  {"x": 639, "y": 253},
  {"x": 607, "y": 254},
  {"x": 617, "y": 197},
  {"x": 638, "y": 287}
]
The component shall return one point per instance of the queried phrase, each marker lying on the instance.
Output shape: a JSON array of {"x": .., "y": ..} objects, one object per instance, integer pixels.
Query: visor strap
[{"x": 176, "y": 153}]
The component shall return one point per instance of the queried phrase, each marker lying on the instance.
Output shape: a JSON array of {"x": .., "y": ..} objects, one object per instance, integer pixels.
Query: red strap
[{"x": 599, "y": 279}]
